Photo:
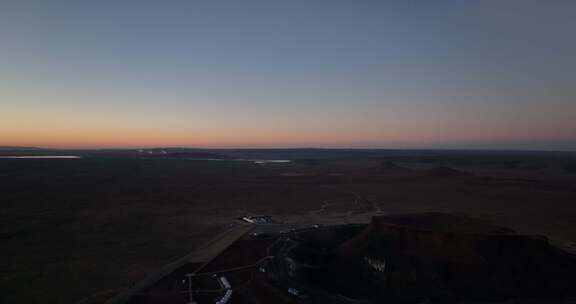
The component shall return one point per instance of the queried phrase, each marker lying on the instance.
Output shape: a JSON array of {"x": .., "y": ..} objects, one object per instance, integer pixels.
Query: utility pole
[{"x": 190, "y": 296}]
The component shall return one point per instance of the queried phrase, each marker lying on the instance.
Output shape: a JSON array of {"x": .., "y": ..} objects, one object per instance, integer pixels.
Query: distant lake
[
  {"x": 45, "y": 156},
  {"x": 256, "y": 161}
]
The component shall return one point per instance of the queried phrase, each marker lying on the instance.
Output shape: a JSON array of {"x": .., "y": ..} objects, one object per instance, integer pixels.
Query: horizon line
[{"x": 289, "y": 148}]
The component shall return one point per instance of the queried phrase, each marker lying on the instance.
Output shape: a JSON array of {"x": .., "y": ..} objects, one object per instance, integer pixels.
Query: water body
[{"x": 44, "y": 157}]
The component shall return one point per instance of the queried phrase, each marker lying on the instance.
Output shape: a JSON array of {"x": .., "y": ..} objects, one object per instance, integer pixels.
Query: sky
[{"x": 487, "y": 74}]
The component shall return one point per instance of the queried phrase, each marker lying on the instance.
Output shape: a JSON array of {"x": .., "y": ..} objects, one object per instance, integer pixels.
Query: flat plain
[{"x": 74, "y": 228}]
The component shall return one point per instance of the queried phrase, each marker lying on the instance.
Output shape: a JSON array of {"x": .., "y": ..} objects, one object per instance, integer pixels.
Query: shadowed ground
[{"x": 72, "y": 228}]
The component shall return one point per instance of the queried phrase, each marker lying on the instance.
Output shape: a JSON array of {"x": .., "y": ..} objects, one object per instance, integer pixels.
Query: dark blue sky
[{"x": 391, "y": 74}]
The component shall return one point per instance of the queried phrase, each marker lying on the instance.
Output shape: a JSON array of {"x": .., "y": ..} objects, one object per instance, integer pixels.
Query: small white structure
[
  {"x": 258, "y": 219},
  {"x": 228, "y": 294},
  {"x": 226, "y": 297},
  {"x": 294, "y": 291}
]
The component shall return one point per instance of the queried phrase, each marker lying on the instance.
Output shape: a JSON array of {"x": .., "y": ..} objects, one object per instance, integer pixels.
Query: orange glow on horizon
[
  {"x": 87, "y": 139},
  {"x": 107, "y": 131}
]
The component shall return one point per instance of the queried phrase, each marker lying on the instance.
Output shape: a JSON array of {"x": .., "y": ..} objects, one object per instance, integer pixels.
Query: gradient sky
[{"x": 378, "y": 74}]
